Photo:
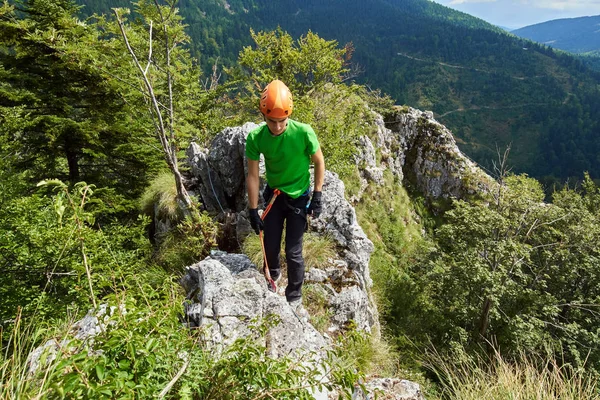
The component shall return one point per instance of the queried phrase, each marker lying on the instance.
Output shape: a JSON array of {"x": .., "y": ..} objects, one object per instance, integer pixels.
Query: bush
[
  {"x": 188, "y": 243},
  {"x": 144, "y": 351}
]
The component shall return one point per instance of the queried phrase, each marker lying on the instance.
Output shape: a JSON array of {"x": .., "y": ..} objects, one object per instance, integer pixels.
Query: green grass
[
  {"x": 162, "y": 194},
  {"x": 496, "y": 378},
  {"x": 316, "y": 301},
  {"x": 317, "y": 250}
]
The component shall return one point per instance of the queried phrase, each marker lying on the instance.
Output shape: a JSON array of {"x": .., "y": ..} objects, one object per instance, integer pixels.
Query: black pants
[{"x": 293, "y": 212}]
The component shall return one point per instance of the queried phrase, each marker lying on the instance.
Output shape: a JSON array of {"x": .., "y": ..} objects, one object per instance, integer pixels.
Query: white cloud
[
  {"x": 591, "y": 6},
  {"x": 455, "y": 2}
]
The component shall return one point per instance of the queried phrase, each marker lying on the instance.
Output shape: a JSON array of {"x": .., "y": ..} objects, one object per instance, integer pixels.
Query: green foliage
[
  {"x": 142, "y": 346},
  {"x": 497, "y": 378},
  {"x": 313, "y": 68},
  {"x": 189, "y": 242},
  {"x": 316, "y": 300},
  {"x": 515, "y": 272},
  {"x": 308, "y": 63},
  {"x": 488, "y": 86},
  {"x": 62, "y": 116},
  {"x": 389, "y": 219},
  {"x": 160, "y": 198},
  {"x": 50, "y": 246},
  {"x": 366, "y": 353}
]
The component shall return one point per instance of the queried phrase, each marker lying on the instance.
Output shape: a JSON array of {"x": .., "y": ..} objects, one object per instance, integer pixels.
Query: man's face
[{"x": 276, "y": 126}]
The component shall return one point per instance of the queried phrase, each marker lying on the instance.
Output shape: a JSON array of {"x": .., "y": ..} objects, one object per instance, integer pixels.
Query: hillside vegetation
[
  {"x": 489, "y": 87},
  {"x": 80, "y": 161},
  {"x": 576, "y": 35}
]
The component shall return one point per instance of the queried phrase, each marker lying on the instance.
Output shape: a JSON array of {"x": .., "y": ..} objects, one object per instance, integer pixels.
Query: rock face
[
  {"x": 226, "y": 290},
  {"x": 226, "y": 298},
  {"x": 346, "y": 278},
  {"x": 420, "y": 151},
  {"x": 218, "y": 173}
]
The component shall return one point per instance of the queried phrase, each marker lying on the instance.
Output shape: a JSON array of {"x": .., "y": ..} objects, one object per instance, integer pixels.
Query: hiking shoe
[{"x": 299, "y": 310}]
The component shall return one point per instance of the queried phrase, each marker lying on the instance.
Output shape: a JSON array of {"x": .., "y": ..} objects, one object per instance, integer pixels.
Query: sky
[{"x": 519, "y": 13}]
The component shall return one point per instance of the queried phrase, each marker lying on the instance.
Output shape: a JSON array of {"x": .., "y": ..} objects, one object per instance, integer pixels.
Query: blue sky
[{"x": 518, "y": 13}]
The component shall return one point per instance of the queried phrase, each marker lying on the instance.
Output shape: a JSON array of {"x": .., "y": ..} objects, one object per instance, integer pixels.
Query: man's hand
[
  {"x": 255, "y": 221},
  {"x": 316, "y": 205}
]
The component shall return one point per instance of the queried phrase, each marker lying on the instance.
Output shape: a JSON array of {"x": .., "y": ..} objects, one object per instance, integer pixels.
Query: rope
[
  {"x": 213, "y": 188},
  {"x": 270, "y": 281}
]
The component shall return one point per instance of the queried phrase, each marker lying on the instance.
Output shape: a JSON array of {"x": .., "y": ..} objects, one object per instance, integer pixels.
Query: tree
[
  {"x": 515, "y": 272},
  {"x": 166, "y": 73},
  {"x": 305, "y": 64},
  {"x": 73, "y": 122},
  {"x": 314, "y": 69}
]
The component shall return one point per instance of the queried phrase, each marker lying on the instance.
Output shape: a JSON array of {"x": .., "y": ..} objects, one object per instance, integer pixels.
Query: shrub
[{"x": 144, "y": 351}]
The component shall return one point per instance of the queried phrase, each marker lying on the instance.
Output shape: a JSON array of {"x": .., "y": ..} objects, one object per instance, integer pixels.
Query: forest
[
  {"x": 491, "y": 88},
  {"x": 471, "y": 291}
]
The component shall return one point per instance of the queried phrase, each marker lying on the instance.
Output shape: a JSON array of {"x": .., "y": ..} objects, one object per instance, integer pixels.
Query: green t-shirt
[{"x": 287, "y": 156}]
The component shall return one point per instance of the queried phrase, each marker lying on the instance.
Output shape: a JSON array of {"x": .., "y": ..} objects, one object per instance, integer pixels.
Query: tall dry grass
[{"x": 497, "y": 378}]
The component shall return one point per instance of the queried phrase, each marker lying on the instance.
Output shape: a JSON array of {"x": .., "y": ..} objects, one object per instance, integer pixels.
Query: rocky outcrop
[
  {"x": 345, "y": 278},
  {"x": 389, "y": 389},
  {"x": 83, "y": 331},
  {"x": 420, "y": 151},
  {"x": 226, "y": 299},
  {"x": 226, "y": 291},
  {"x": 217, "y": 174}
]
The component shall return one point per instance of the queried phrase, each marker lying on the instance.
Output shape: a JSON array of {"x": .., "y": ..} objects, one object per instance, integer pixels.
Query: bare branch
[
  {"x": 149, "y": 51},
  {"x": 213, "y": 82},
  {"x": 164, "y": 392},
  {"x": 354, "y": 71},
  {"x": 163, "y": 140}
]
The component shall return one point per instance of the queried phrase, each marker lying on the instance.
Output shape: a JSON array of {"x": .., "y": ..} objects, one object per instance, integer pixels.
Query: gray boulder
[
  {"x": 219, "y": 172},
  {"x": 84, "y": 330},
  {"x": 226, "y": 304},
  {"x": 389, "y": 388}
]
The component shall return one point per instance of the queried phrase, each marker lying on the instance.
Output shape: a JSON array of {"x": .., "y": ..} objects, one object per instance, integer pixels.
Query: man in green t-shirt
[{"x": 288, "y": 148}]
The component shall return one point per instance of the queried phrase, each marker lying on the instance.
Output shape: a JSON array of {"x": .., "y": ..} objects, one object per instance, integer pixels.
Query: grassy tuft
[
  {"x": 317, "y": 250},
  {"x": 316, "y": 301},
  {"x": 161, "y": 193}
]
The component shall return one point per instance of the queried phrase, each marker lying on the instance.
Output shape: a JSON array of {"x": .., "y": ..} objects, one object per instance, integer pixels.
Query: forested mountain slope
[
  {"x": 458, "y": 273},
  {"x": 490, "y": 88},
  {"x": 577, "y": 35}
]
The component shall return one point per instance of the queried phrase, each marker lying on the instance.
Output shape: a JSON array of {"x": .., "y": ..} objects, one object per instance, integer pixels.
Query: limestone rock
[
  {"x": 219, "y": 173},
  {"x": 416, "y": 147},
  {"x": 389, "y": 388},
  {"x": 85, "y": 330},
  {"x": 231, "y": 302}
]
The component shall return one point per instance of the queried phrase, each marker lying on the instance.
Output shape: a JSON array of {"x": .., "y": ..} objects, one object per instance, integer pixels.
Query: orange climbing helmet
[{"x": 276, "y": 100}]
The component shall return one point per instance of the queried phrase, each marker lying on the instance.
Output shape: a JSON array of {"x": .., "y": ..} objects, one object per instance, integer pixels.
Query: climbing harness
[{"x": 270, "y": 281}]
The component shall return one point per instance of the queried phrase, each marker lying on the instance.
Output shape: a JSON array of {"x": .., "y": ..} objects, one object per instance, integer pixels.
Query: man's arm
[
  {"x": 252, "y": 183},
  {"x": 319, "y": 162}
]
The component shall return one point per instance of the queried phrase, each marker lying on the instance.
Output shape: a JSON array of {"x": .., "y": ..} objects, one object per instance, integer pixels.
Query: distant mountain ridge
[
  {"x": 576, "y": 35},
  {"x": 491, "y": 88}
]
